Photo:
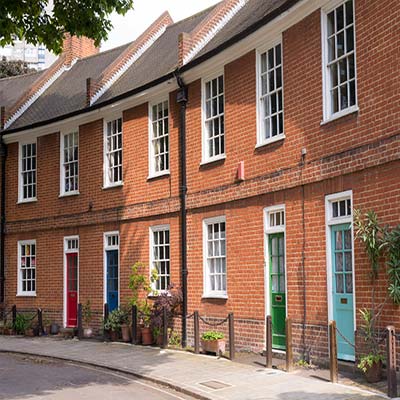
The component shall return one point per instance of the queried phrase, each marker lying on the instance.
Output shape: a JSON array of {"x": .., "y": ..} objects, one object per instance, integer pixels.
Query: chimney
[{"x": 77, "y": 47}]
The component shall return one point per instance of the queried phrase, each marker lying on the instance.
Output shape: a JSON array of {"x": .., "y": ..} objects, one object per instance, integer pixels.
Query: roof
[{"x": 66, "y": 96}]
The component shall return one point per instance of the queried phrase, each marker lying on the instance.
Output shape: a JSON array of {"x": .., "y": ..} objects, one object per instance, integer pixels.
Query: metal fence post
[
  {"x": 165, "y": 328},
  {"x": 268, "y": 341},
  {"x": 333, "y": 362},
  {"x": 14, "y": 315},
  {"x": 134, "y": 324},
  {"x": 231, "y": 336},
  {"x": 289, "y": 345},
  {"x": 80, "y": 327},
  {"x": 196, "y": 322},
  {"x": 40, "y": 321},
  {"x": 105, "y": 312},
  {"x": 391, "y": 361}
]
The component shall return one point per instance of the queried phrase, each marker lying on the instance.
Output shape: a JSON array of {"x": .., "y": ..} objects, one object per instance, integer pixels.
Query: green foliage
[
  {"x": 87, "y": 313},
  {"x": 392, "y": 242},
  {"x": 22, "y": 323},
  {"x": 34, "y": 21},
  {"x": 372, "y": 235},
  {"x": 212, "y": 335},
  {"x": 367, "y": 361},
  {"x": 13, "y": 68},
  {"x": 115, "y": 319},
  {"x": 174, "y": 338},
  {"x": 302, "y": 363}
]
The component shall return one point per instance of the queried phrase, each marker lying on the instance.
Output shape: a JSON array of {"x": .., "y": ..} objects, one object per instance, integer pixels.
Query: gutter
[
  {"x": 233, "y": 40},
  {"x": 3, "y": 157},
  {"x": 181, "y": 99}
]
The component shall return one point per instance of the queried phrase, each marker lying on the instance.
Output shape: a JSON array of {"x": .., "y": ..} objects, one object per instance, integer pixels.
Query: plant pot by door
[
  {"x": 126, "y": 333},
  {"x": 54, "y": 329},
  {"x": 159, "y": 339},
  {"x": 213, "y": 346},
  {"x": 114, "y": 336},
  {"x": 147, "y": 337},
  {"x": 373, "y": 373},
  {"x": 88, "y": 332}
]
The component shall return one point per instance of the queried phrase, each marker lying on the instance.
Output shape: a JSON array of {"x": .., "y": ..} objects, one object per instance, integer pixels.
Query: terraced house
[{"x": 227, "y": 150}]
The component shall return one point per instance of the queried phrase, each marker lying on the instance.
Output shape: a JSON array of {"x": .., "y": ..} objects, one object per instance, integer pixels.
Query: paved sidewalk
[{"x": 189, "y": 372}]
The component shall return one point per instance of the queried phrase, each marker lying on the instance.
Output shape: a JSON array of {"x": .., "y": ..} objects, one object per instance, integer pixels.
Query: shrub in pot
[
  {"x": 87, "y": 319},
  {"x": 213, "y": 342},
  {"x": 371, "y": 365},
  {"x": 22, "y": 324},
  {"x": 113, "y": 324},
  {"x": 125, "y": 328},
  {"x": 146, "y": 332}
]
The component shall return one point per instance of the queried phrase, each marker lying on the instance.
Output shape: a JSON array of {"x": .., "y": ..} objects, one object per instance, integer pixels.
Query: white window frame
[
  {"x": 65, "y": 278},
  {"x": 152, "y": 230},
  {"x": 205, "y": 159},
  {"x": 106, "y": 247},
  {"x": 106, "y": 182},
  {"x": 21, "y": 198},
  {"x": 20, "y": 292},
  {"x": 327, "y": 114},
  {"x": 269, "y": 230},
  {"x": 62, "y": 164},
  {"x": 330, "y": 221},
  {"x": 152, "y": 170},
  {"x": 261, "y": 141},
  {"x": 207, "y": 292}
]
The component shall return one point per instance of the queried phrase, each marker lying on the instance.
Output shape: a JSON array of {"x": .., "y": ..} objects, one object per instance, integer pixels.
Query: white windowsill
[
  {"x": 214, "y": 159},
  {"x": 33, "y": 200},
  {"x": 27, "y": 294},
  {"x": 276, "y": 138},
  {"x": 68, "y": 194},
  {"x": 223, "y": 296},
  {"x": 113, "y": 185},
  {"x": 158, "y": 175},
  {"x": 338, "y": 115}
]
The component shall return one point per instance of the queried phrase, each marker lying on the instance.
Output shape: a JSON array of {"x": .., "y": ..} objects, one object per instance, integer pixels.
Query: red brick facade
[{"x": 358, "y": 152}]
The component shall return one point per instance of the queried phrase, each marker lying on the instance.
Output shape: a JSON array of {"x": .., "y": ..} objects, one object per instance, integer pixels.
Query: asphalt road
[{"x": 35, "y": 378}]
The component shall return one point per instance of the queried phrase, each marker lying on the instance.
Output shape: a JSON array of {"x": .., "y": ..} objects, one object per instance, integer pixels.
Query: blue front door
[
  {"x": 112, "y": 279},
  {"x": 342, "y": 289}
]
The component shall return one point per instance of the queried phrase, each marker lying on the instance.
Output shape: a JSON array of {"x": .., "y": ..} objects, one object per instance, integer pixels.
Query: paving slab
[{"x": 203, "y": 376}]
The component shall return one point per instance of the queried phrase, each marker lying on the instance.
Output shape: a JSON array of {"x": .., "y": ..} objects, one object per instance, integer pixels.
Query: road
[{"x": 39, "y": 378}]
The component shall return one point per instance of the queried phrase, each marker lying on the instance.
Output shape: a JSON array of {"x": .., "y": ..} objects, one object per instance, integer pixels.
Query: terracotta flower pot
[
  {"x": 374, "y": 372},
  {"x": 213, "y": 346},
  {"x": 126, "y": 333},
  {"x": 147, "y": 337},
  {"x": 29, "y": 332},
  {"x": 159, "y": 339}
]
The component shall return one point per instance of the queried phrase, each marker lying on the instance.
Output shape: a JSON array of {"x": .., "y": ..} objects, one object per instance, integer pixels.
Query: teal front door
[
  {"x": 342, "y": 289},
  {"x": 277, "y": 289}
]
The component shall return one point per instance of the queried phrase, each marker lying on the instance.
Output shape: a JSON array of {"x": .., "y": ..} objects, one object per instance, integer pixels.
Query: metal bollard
[
  {"x": 134, "y": 324},
  {"x": 165, "y": 328}
]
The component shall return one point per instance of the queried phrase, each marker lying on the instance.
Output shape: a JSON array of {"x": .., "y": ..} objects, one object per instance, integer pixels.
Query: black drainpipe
[
  {"x": 181, "y": 99},
  {"x": 3, "y": 155}
]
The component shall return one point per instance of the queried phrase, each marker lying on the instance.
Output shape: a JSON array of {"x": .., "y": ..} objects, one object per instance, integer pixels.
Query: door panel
[
  {"x": 72, "y": 289},
  {"x": 112, "y": 279},
  {"x": 342, "y": 288},
  {"x": 276, "y": 245}
]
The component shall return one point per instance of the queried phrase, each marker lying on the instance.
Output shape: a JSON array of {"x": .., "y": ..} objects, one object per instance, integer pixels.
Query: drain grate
[{"x": 215, "y": 385}]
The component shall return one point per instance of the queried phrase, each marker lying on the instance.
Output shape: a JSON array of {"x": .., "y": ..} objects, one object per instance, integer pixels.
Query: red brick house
[{"x": 227, "y": 150}]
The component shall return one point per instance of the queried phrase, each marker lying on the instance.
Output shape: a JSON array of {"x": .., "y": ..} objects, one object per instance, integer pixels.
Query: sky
[{"x": 128, "y": 27}]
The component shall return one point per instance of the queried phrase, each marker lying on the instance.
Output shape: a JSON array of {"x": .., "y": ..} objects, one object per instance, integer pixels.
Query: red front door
[{"x": 72, "y": 289}]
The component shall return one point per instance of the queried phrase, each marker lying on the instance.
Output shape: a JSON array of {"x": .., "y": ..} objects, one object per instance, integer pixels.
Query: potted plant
[
  {"x": 169, "y": 301},
  {"x": 21, "y": 325},
  {"x": 213, "y": 342},
  {"x": 87, "y": 319},
  {"x": 113, "y": 323},
  {"x": 371, "y": 363},
  {"x": 125, "y": 328},
  {"x": 139, "y": 283},
  {"x": 8, "y": 328}
]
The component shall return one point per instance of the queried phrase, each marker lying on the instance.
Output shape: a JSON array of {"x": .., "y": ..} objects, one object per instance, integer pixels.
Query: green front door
[
  {"x": 276, "y": 245},
  {"x": 342, "y": 289}
]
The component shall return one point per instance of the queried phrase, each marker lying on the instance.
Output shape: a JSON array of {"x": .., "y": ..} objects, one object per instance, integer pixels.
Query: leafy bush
[
  {"x": 87, "y": 313},
  {"x": 212, "y": 335},
  {"x": 22, "y": 323},
  {"x": 115, "y": 319},
  {"x": 367, "y": 361}
]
